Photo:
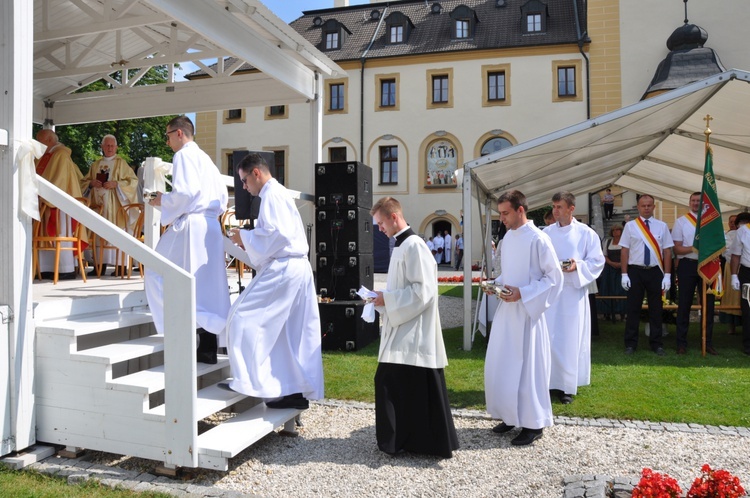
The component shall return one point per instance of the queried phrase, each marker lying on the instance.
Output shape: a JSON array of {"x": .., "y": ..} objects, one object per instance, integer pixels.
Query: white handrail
[{"x": 181, "y": 433}]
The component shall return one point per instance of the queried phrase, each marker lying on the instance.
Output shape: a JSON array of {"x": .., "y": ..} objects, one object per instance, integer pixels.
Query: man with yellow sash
[
  {"x": 646, "y": 260},
  {"x": 688, "y": 279}
]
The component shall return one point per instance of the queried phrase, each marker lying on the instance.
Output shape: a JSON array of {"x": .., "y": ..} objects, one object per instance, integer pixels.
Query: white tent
[{"x": 656, "y": 146}]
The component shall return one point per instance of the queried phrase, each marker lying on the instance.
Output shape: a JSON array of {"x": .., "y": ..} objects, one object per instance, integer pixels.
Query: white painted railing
[{"x": 179, "y": 327}]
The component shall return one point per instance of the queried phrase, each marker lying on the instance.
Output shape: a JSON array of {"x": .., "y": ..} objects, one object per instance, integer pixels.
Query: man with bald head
[
  {"x": 110, "y": 184},
  {"x": 58, "y": 168}
]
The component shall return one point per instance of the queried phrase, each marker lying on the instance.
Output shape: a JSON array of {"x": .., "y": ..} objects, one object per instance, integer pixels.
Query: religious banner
[{"x": 709, "y": 231}]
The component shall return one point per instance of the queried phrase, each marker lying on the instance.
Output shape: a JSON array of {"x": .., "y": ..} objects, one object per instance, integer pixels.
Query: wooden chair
[
  {"x": 99, "y": 244},
  {"x": 43, "y": 241},
  {"x": 129, "y": 211},
  {"x": 228, "y": 221}
]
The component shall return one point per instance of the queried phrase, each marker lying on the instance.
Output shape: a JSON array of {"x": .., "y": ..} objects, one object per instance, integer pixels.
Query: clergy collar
[{"x": 403, "y": 234}]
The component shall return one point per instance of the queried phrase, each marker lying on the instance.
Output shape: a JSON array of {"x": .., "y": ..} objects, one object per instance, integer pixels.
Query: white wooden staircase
[{"x": 101, "y": 384}]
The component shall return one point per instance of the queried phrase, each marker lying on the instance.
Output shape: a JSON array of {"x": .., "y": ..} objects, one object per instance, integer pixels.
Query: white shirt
[
  {"x": 741, "y": 246},
  {"x": 632, "y": 239},
  {"x": 684, "y": 231}
]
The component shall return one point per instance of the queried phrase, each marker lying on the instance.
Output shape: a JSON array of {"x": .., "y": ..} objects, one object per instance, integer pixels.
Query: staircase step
[
  {"x": 211, "y": 399},
  {"x": 95, "y": 323},
  {"x": 152, "y": 380},
  {"x": 123, "y": 351},
  {"x": 236, "y": 434}
]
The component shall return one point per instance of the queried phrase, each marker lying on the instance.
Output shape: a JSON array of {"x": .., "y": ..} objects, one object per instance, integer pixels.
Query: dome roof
[{"x": 686, "y": 37}]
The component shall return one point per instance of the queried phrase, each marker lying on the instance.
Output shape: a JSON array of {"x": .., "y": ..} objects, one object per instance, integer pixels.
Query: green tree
[{"x": 137, "y": 139}]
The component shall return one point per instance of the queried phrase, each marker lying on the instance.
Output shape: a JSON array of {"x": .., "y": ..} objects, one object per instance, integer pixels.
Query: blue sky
[{"x": 289, "y": 10}]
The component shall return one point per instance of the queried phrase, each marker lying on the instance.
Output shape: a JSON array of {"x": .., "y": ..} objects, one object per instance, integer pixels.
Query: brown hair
[
  {"x": 386, "y": 206},
  {"x": 182, "y": 123},
  {"x": 516, "y": 199}
]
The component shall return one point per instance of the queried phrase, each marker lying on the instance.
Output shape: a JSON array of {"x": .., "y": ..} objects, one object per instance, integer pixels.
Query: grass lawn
[
  {"x": 31, "y": 484},
  {"x": 714, "y": 390}
]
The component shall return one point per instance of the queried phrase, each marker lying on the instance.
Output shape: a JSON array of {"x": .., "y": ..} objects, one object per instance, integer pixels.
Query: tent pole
[{"x": 467, "y": 236}]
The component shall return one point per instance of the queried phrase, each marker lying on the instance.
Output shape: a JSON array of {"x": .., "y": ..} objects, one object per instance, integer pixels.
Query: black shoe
[
  {"x": 225, "y": 386},
  {"x": 71, "y": 275},
  {"x": 659, "y": 351},
  {"x": 681, "y": 350},
  {"x": 48, "y": 275},
  {"x": 526, "y": 437},
  {"x": 296, "y": 401},
  {"x": 502, "y": 428},
  {"x": 565, "y": 398},
  {"x": 710, "y": 350},
  {"x": 92, "y": 273},
  {"x": 207, "y": 357},
  {"x": 629, "y": 350}
]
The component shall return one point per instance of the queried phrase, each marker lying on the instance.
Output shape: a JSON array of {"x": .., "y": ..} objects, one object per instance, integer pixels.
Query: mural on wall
[{"x": 442, "y": 161}]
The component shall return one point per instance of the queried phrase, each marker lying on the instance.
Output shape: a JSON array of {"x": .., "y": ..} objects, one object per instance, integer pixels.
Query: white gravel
[{"x": 336, "y": 455}]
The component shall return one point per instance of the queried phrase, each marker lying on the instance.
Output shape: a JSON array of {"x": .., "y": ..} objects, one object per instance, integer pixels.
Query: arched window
[
  {"x": 442, "y": 161},
  {"x": 495, "y": 144}
]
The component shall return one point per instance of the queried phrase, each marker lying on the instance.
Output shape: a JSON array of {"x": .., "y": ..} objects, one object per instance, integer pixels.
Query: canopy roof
[
  {"x": 656, "y": 146},
  {"x": 77, "y": 42}
]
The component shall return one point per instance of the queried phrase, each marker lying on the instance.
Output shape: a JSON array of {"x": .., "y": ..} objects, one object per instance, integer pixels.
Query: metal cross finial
[
  {"x": 707, "y": 119},
  {"x": 686, "y": 18}
]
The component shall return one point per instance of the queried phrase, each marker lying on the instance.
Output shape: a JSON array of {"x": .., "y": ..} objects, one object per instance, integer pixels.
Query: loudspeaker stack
[{"x": 344, "y": 260}]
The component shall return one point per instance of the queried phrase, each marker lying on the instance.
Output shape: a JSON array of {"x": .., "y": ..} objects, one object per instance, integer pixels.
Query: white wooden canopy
[
  {"x": 52, "y": 49},
  {"x": 656, "y": 146},
  {"x": 77, "y": 42}
]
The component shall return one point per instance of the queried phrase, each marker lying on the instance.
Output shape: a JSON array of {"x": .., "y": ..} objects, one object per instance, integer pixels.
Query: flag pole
[{"x": 704, "y": 297}]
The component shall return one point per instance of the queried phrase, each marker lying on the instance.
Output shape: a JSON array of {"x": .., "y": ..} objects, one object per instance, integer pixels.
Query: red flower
[
  {"x": 715, "y": 484},
  {"x": 656, "y": 485}
]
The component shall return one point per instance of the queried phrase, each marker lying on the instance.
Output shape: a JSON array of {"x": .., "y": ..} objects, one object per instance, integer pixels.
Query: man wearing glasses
[{"x": 194, "y": 239}]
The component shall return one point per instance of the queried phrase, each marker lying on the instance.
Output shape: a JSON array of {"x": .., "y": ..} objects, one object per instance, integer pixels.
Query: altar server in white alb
[
  {"x": 194, "y": 239},
  {"x": 412, "y": 412},
  {"x": 579, "y": 253},
  {"x": 517, "y": 367},
  {"x": 274, "y": 326}
]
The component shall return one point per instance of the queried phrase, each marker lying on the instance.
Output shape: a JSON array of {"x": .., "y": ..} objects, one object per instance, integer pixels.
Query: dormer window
[
  {"x": 534, "y": 17},
  {"x": 464, "y": 23},
  {"x": 396, "y": 34},
  {"x": 334, "y": 35},
  {"x": 332, "y": 41},
  {"x": 398, "y": 28}
]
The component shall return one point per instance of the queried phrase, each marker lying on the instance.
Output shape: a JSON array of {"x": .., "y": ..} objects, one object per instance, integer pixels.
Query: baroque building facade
[{"x": 433, "y": 84}]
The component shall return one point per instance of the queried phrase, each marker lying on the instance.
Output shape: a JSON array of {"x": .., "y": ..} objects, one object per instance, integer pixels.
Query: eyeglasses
[{"x": 170, "y": 132}]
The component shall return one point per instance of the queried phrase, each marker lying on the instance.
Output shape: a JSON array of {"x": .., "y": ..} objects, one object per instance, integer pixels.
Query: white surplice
[
  {"x": 569, "y": 318},
  {"x": 411, "y": 333},
  {"x": 517, "y": 367},
  {"x": 194, "y": 240},
  {"x": 439, "y": 242},
  {"x": 273, "y": 328}
]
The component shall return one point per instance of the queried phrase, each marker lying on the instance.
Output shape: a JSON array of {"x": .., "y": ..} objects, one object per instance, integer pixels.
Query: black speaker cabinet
[
  {"x": 247, "y": 206},
  {"x": 342, "y": 327},
  {"x": 340, "y": 277},
  {"x": 347, "y": 184},
  {"x": 346, "y": 230}
]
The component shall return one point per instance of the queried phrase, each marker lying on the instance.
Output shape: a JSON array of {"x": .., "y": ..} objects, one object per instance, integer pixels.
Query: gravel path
[{"x": 336, "y": 455}]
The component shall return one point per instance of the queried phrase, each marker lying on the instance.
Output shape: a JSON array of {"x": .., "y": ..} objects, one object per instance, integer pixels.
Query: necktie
[{"x": 647, "y": 253}]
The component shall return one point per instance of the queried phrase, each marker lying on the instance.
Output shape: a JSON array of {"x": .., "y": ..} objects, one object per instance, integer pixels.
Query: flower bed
[{"x": 710, "y": 484}]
